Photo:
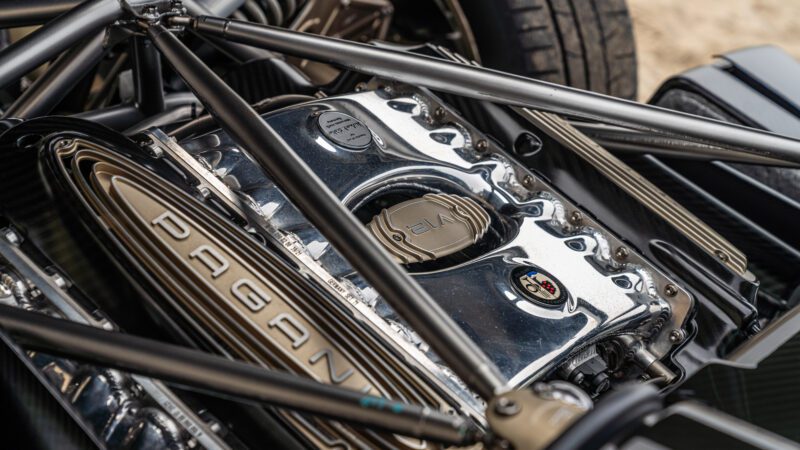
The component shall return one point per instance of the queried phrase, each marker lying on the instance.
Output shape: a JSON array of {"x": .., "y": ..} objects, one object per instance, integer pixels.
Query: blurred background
[{"x": 672, "y": 36}]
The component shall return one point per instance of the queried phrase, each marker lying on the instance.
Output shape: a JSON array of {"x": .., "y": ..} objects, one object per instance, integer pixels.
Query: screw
[
  {"x": 439, "y": 113},
  {"x": 482, "y": 145},
  {"x": 152, "y": 148},
  {"x": 722, "y": 256},
  {"x": 621, "y": 253},
  {"x": 59, "y": 281},
  {"x": 12, "y": 237},
  {"x": 677, "y": 336},
  {"x": 63, "y": 143},
  {"x": 204, "y": 191},
  {"x": 361, "y": 87},
  {"x": 506, "y": 407},
  {"x": 576, "y": 218},
  {"x": 527, "y": 181},
  {"x": 670, "y": 290}
]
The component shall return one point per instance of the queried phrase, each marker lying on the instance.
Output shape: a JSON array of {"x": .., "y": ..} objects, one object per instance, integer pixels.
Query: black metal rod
[
  {"x": 324, "y": 210},
  {"x": 56, "y": 36},
  {"x": 117, "y": 117},
  {"x": 626, "y": 140},
  {"x": 147, "y": 77},
  {"x": 206, "y": 122},
  {"x": 123, "y": 117},
  {"x": 499, "y": 87},
  {"x": 167, "y": 117},
  {"x": 213, "y": 374},
  {"x": 238, "y": 52},
  {"x": 60, "y": 77},
  {"x": 20, "y": 13}
]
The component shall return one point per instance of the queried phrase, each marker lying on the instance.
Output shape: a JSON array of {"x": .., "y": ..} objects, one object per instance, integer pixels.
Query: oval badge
[{"x": 538, "y": 286}]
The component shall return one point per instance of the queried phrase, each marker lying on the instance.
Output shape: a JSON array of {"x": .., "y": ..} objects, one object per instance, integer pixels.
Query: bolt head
[
  {"x": 527, "y": 181},
  {"x": 621, "y": 253},
  {"x": 670, "y": 290},
  {"x": 506, "y": 407},
  {"x": 677, "y": 336},
  {"x": 576, "y": 218},
  {"x": 12, "y": 237},
  {"x": 482, "y": 145}
]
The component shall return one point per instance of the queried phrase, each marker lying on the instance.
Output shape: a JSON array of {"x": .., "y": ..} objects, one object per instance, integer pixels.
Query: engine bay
[
  {"x": 418, "y": 253},
  {"x": 543, "y": 289}
]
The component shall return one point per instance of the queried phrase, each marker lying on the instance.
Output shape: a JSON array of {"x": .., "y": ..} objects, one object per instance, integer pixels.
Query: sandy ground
[{"x": 673, "y": 35}]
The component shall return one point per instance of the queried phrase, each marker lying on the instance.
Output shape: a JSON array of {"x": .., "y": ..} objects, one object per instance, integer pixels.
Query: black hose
[
  {"x": 616, "y": 416},
  {"x": 275, "y": 12},
  {"x": 252, "y": 9}
]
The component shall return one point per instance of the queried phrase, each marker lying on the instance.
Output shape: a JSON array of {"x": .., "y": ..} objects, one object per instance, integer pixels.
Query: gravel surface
[{"x": 674, "y": 35}]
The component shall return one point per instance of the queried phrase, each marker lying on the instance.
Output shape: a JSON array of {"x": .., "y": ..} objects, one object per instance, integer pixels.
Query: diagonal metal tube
[
  {"x": 20, "y": 13},
  {"x": 499, "y": 87},
  {"x": 324, "y": 210},
  {"x": 60, "y": 77},
  {"x": 56, "y": 36},
  {"x": 627, "y": 140},
  {"x": 222, "y": 377}
]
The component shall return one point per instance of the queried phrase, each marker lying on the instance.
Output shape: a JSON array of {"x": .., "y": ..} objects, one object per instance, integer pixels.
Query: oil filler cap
[
  {"x": 344, "y": 130},
  {"x": 429, "y": 227}
]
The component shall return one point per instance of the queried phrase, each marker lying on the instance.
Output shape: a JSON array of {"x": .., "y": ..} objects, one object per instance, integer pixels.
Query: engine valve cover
[{"x": 530, "y": 277}]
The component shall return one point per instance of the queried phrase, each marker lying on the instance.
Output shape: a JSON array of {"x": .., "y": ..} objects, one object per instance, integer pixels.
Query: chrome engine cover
[{"x": 370, "y": 146}]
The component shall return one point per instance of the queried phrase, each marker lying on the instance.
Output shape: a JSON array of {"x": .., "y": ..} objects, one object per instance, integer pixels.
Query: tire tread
[{"x": 586, "y": 44}]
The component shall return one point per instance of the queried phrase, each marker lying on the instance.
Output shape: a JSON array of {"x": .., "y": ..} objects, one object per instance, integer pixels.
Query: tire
[{"x": 587, "y": 44}]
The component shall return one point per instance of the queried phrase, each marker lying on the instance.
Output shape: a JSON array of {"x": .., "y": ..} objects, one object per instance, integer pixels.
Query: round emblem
[
  {"x": 539, "y": 286},
  {"x": 344, "y": 130}
]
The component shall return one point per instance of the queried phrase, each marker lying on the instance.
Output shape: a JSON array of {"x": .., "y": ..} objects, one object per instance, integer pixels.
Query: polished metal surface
[
  {"x": 238, "y": 293},
  {"x": 531, "y": 226},
  {"x": 490, "y": 85},
  {"x": 123, "y": 410},
  {"x": 322, "y": 207}
]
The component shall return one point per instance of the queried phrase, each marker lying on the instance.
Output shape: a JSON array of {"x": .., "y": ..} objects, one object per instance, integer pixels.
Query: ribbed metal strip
[{"x": 640, "y": 188}]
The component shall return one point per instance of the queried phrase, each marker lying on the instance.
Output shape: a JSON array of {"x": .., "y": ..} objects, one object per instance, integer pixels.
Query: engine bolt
[
  {"x": 621, "y": 254},
  {"x": 722, "y": 256},
  {"x": 506, "y": 407},
  {"x": 12, "y": 237},
  {"x": 482, "y": 145},
  {"x": 527, "y": 181},
  {"x": 439, "y": 113},
  {"x": 670, "y": 290},
  {"x": 576, "y": 218},
  {"x": 677, "y": 336}
]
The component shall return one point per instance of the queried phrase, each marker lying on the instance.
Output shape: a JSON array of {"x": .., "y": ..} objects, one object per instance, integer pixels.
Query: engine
[
  {"x": 530, "y": 277},
  {"x": 219, "y": 253}
]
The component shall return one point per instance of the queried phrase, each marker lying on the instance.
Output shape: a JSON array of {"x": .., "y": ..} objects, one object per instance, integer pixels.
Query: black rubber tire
[{"x": 586, "y": 44}]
